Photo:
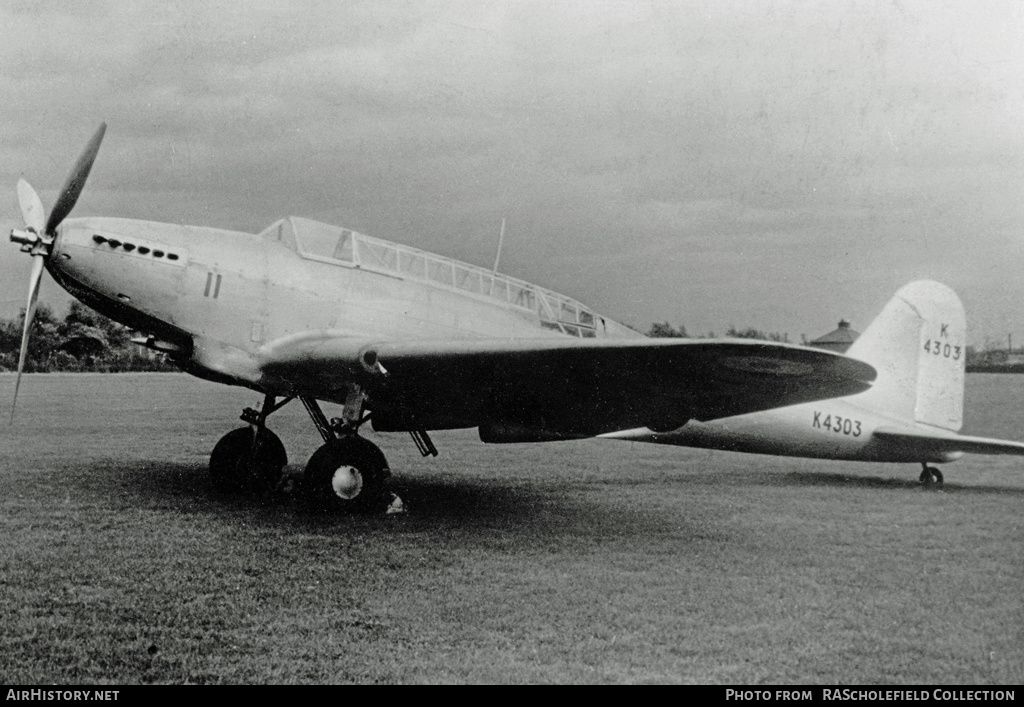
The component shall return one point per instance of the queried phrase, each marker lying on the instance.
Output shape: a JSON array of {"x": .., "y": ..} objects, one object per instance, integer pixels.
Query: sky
[{"x": 772, "y": 164}]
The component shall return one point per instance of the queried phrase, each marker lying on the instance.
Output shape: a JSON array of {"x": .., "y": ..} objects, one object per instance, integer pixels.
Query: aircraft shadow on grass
[
  {"x": 521, "y": 513},
  {"x": 818, "y": 478}
]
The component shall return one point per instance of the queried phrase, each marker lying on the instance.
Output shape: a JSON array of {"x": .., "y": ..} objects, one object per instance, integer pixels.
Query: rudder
[{"x": 917, "y": 344}]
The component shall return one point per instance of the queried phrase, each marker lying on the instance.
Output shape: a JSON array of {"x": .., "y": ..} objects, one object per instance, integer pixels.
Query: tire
[
  {"x": 238, "y": 465},
  {"x": 931, "y": 476},
  {"x": 347, "y": 475}
]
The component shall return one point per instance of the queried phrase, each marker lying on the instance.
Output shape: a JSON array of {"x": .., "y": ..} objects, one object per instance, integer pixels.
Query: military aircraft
[
  {"x": 408, "y": 340},
  {"x": 911, "y": 414}
]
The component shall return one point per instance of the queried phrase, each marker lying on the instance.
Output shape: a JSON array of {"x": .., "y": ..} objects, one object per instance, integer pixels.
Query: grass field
[{"x": 584, "y": 562}]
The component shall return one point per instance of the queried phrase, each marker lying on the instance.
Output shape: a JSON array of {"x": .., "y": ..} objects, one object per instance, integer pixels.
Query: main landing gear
[
  {"x": 930, "y": 476},
  {"x": 348, "y": 473},
  {"x": 250, "y": 458}
]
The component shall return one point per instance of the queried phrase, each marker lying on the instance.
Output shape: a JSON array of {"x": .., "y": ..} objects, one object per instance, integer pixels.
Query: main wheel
[
  {"x": 247, "y": 459},
  {"x": 930, "y": 475},
  {"x": 348, "y": 474}
]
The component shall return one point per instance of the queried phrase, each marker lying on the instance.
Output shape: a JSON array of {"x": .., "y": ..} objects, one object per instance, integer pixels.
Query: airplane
[
  {"x": 405, "y": 339},
  {"x": 912, "y": 412}
]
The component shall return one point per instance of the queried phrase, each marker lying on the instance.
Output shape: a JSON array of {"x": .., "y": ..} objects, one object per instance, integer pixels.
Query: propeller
[{"x": 39, "y": 233}]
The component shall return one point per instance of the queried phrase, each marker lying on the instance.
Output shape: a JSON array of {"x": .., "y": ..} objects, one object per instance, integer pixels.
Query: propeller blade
[
  {"x": 32, "y": 210},
  {"x": 76, "y": 181},
  {"x": 30, "y": 312}
]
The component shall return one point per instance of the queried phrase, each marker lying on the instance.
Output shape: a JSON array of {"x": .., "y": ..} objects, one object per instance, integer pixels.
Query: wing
[
  {"x": 557, "y": 388},
  {"x": 943, "y": 443}
]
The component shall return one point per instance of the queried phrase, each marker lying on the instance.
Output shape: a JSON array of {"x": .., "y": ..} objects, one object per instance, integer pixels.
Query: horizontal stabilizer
[{"x": 945, "y": 442}]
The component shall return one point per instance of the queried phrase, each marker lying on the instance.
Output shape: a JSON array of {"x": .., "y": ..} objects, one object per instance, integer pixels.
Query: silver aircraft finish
[{"x": 406, "y": 339}]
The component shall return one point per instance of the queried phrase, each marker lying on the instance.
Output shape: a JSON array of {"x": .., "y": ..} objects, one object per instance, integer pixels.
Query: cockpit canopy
[{"x": 340, "y": 246}]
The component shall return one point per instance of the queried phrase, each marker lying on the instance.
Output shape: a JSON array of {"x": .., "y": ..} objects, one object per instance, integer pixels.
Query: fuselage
[
  {"x": 840, "y": 428},
  {"x": 213, "y": 298}
]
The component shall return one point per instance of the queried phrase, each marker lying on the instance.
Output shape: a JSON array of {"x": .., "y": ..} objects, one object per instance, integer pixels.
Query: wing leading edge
[{"x": 559, "y": 388}]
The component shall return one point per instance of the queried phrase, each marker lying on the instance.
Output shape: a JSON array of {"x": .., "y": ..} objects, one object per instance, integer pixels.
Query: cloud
[{"x": 734, "y": 146}]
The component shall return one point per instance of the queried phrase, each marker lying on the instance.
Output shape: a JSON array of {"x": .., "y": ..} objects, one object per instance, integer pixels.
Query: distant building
[{"x": 838, "y": 340}]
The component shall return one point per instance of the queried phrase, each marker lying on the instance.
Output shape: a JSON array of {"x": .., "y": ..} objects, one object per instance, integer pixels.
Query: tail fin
[{"x": 918, "y": 346}]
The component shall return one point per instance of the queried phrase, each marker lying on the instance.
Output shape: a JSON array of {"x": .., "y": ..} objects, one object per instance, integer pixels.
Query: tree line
[
  {"x": 990, "y": 360},
  {"x": 664, "y": 330},
  {"x": 83, "y": 340}
]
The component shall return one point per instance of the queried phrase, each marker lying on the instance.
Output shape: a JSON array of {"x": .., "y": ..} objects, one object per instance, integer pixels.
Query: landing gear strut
[
  {"x": 348, "y": 473},
  {"x": 930, "y": 475},
  {"x": 249, "y": 458}
]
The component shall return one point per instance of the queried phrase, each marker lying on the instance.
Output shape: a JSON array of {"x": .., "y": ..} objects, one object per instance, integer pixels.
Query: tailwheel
[
  {"x": 930, "y": 475},
  {"x": 347, "y": 474},
  {"x": 249, "y": 458}
]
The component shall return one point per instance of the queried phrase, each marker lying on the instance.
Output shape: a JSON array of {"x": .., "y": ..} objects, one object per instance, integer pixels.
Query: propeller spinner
[{"x": 39, "y": 232}]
